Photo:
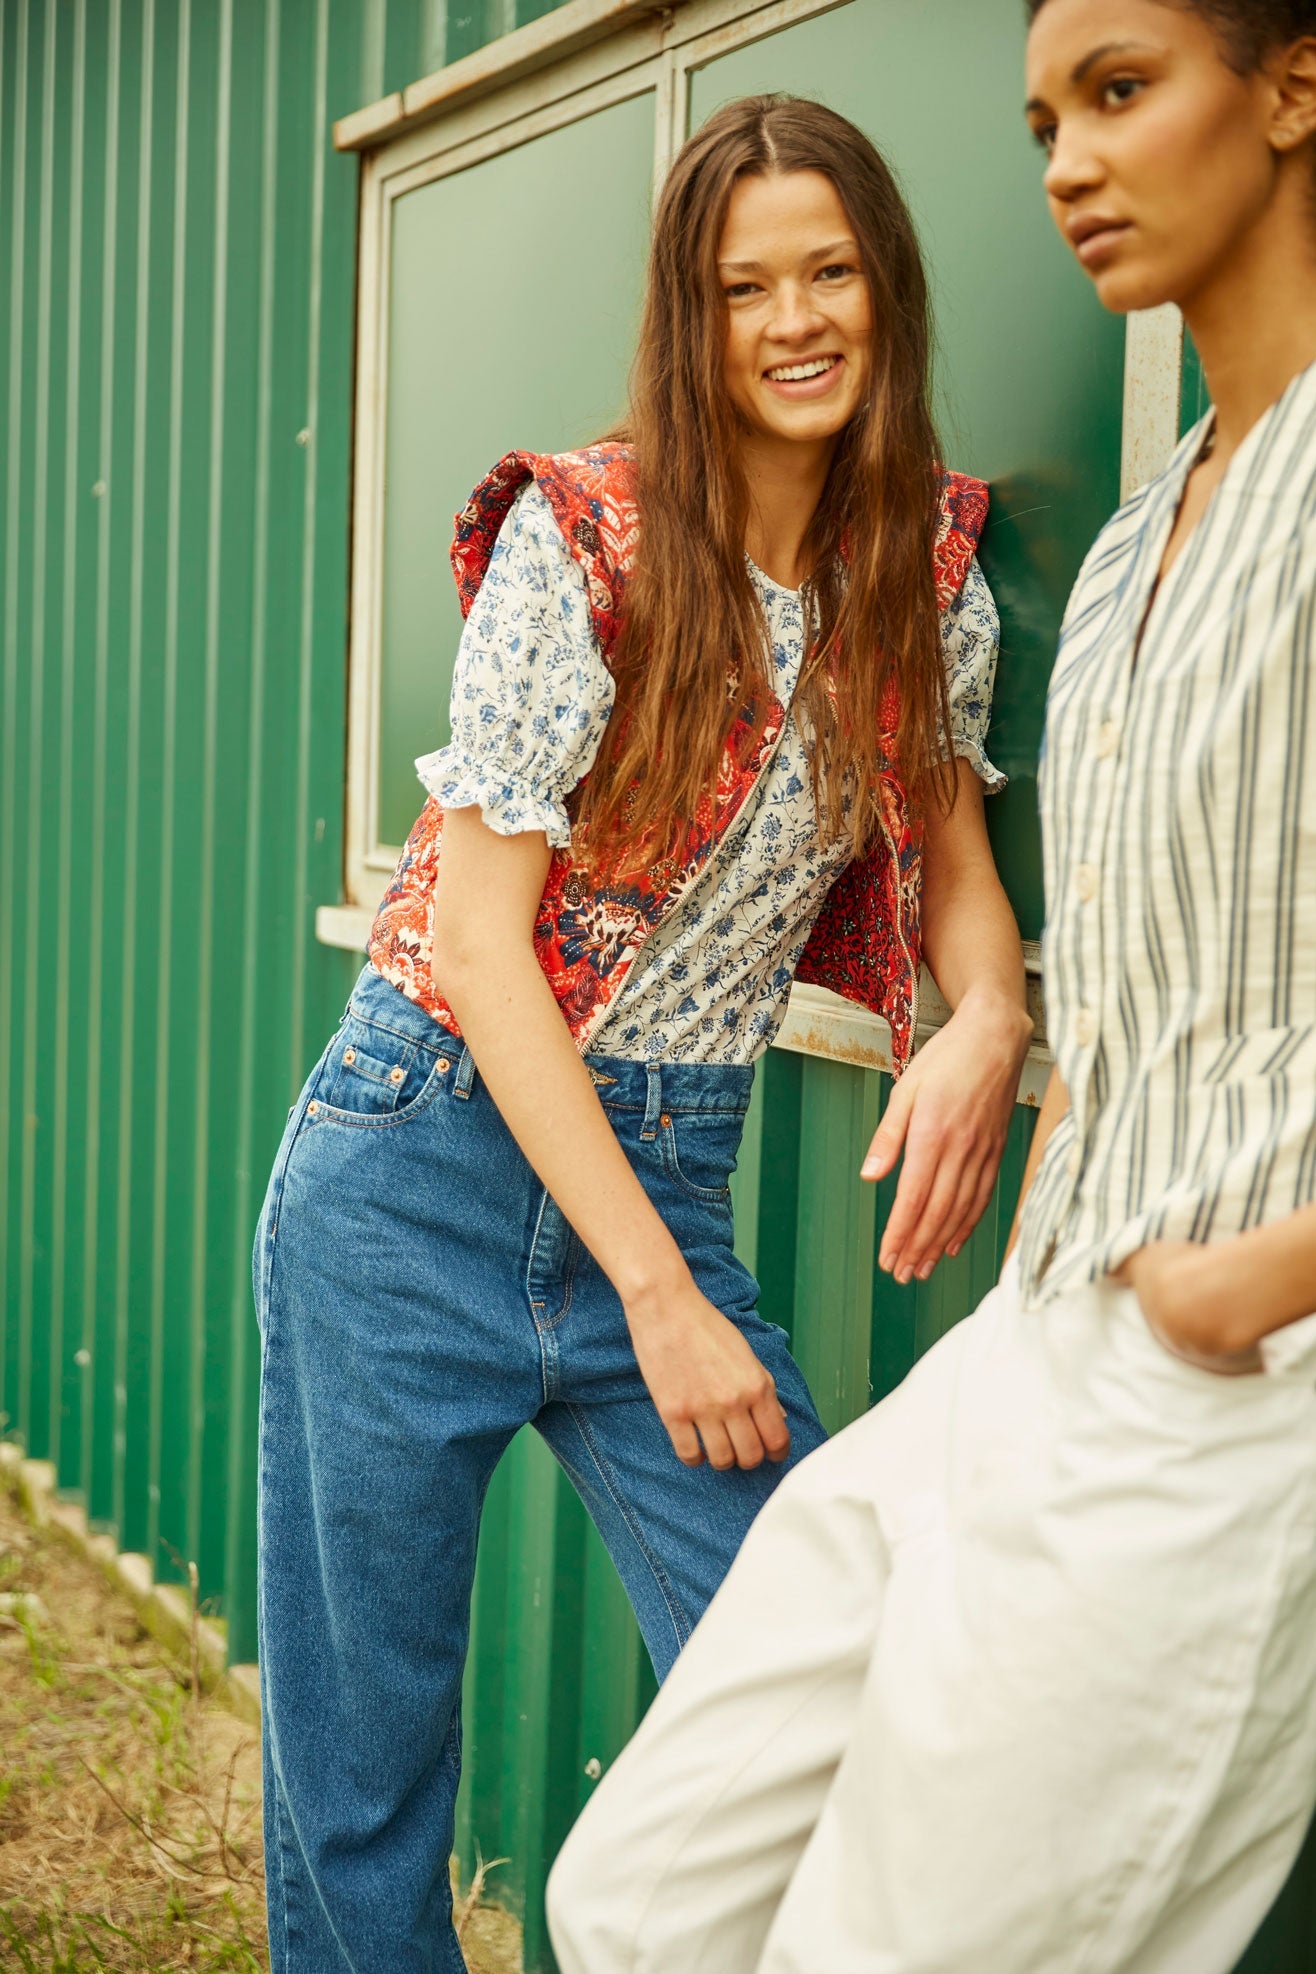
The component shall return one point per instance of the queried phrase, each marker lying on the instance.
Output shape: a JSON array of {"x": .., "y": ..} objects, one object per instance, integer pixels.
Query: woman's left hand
[
  {"x": 1178, "y": 1291},
  {"x": 950, "y": 1111}
]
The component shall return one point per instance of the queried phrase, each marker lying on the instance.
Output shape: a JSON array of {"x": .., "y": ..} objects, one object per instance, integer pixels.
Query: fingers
[
  {"x": 890, "y": 1133},
  {"x": 744, "y": 1435},
  {"x": 772, "y": 1426},
  {"x": 717, "y": 1443},
  {"x": 977, "y": 1207},
  {"x": 745, "y": 1439},
  {"x": 916, "y": 1183},
  {"x": 922, "y": 1246},
  {"x": 685, "y": 1441}
]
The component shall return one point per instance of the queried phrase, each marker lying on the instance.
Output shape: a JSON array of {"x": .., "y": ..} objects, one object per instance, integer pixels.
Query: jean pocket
[
  {"x": 699, "y": 1152},
  {"x": 376, "y": 1075}
]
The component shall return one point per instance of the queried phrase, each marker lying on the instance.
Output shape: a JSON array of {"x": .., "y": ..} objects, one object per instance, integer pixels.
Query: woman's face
[
  {"x": 1159, "y": 159},
  {"x": 799, "y": 321}
]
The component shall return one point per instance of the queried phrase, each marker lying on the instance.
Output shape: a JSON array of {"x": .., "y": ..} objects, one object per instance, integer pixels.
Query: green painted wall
[
  {"x": 177, "y": 278},
  {"x": 177, "y": 270}
]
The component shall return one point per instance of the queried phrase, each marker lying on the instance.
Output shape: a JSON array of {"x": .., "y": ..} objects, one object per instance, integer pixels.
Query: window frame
[
  {"x": 656, "y": 54},
  {"x": 580, "y": 58}
]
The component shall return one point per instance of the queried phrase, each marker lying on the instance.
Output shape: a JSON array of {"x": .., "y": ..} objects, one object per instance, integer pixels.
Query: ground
[{"x": 129, "y": 1799}]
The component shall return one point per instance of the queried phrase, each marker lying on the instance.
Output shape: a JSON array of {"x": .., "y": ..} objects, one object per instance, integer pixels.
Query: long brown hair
[{"x": 691, "y": 611}]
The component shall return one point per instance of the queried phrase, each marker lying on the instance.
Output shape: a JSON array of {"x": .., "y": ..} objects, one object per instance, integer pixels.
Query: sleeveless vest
[{"x": 866, "y": 942}]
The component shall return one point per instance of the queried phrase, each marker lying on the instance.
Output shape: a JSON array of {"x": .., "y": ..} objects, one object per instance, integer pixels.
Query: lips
[{"x": 1082, "y": 227}]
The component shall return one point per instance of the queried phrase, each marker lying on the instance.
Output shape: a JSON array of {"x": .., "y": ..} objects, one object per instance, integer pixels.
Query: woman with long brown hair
[{"x": 718, "y": 718}]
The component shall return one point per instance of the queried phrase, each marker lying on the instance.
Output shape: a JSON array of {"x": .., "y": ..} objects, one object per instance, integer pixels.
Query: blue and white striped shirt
[{"x": 1179, "y": 829}]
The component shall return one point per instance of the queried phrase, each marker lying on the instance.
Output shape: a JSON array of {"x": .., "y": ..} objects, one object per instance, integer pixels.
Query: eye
[
  {"x": 738, "y": 290},
  {"x": 1044, "y": 135},
  {"x": 1121, "y": 90},
  {"x": 837, "y": 271}
]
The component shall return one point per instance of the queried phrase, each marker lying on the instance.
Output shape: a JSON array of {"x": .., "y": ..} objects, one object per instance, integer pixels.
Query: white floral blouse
[{"x": 531, "y": 696}]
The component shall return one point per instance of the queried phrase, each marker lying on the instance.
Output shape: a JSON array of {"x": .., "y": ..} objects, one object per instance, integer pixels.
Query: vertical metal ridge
[
  {"x": 30, "y": 1407},
  {"x": 68, "y": 676},
  {"x": 241, "y": 1449},
  {"x": 96, "y": 911},
  {"x": 301, "y": 916},
  {"x": 205, "y": 863},
  {"x": 168, "y": 785},
  {"x": 133, "y": 765},
  {"x": 8, "y": 737}
]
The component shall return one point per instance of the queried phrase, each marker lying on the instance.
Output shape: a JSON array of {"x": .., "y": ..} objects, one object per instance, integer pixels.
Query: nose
[
  {"x": 795, "y": 313},
  {"x": 1072, "y": 168}
]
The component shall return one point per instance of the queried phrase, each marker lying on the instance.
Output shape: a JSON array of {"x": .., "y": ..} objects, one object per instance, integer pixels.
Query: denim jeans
[{"x": 420, "y": 1299}]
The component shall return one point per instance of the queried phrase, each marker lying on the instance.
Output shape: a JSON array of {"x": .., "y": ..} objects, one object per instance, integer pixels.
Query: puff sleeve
[
  {"x": 531, "y": 694},
  {"x": 970, "y": 637}
]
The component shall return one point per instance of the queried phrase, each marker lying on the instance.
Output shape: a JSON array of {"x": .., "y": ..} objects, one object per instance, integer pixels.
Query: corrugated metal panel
[{"x": 178, "y": 245}]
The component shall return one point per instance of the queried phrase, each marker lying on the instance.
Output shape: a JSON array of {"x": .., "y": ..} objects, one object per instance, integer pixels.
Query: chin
[{"x": 1126, "y": 290}]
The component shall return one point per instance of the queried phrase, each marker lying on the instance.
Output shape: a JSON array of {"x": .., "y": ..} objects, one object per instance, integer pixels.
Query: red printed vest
[{"x": 865, "y": 944}]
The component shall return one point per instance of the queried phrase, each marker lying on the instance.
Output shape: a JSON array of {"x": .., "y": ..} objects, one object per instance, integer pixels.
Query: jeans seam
[
  {"x": 421, "y": 1042},
  {"x": 269, "y": 1234},
  {"x": 280, "y": 1838},
  {"x": 680, "y": 1622}
]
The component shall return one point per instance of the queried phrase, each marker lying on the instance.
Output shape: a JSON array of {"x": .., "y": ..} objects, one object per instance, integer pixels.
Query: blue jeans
[{"x": 421, "y": 1298}]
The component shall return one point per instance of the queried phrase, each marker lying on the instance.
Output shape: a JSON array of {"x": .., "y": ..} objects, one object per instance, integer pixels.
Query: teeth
[{"x": 795, "y": 373}]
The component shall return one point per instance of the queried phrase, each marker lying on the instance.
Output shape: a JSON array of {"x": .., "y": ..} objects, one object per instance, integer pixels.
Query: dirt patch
[{"x": 129, "y": 1801}]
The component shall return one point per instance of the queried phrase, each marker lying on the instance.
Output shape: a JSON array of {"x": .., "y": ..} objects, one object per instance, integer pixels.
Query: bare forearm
[
  {"x": 1259, "y": 1281},
  {"x": 509, "y": 1018},
  {"x": 1055, "y": 1102},
  {"x": 970, "y": 938}
]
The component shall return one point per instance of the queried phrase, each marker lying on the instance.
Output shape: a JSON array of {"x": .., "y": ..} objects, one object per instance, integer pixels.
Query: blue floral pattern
[{"x": 531, "y": 698}]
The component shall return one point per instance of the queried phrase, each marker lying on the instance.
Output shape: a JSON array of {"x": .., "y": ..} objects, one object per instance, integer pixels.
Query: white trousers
[{"x": 1015, "y": 1676}]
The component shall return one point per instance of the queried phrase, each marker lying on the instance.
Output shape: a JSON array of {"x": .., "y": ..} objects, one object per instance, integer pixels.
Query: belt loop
[
  {"x": 653, "y": 1102},
  {"x": 465, "y": 1076}
]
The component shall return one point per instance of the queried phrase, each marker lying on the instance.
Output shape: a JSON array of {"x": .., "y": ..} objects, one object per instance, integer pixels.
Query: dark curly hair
[{"x": 1248, "y": 29}]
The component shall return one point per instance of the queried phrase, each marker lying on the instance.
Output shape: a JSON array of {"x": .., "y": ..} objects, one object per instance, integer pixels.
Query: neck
[
  {"x": 785, "y": 480},
  {"x": 1254, "y": 322}
]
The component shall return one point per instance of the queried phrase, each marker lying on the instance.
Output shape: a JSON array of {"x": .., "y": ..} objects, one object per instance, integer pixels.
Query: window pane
[
  {"x": 516, "y": 288},
  {"x": 1030, "y": 367}
]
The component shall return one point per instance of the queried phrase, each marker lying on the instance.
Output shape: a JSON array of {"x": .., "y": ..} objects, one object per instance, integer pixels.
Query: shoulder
[
  {"x": 590, "y": 494},
  {"x": 961, "y": 518}
]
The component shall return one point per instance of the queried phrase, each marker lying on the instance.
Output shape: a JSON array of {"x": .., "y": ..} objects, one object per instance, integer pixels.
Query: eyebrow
[
  {"x": 828, "y": 252},
  {"x": 1084, "y": 68}
]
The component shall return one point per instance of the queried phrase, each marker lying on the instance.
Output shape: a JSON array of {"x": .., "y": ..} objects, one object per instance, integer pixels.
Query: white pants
[{"x": 1015, "y": 1676}]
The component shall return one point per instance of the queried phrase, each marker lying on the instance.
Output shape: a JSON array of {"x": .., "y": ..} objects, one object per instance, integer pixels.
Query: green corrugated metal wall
[
  {"x": 177, "y": 280},
  {"x": 177, "y": 268}
]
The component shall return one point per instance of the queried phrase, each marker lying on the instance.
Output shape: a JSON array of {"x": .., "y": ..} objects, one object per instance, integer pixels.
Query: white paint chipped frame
[{"x": 1153, "y": 391}]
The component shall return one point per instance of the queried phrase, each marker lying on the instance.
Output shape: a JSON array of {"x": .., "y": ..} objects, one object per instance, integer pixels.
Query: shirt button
[
  {"x": 1085, "y": 882},
  {"x": 1108, "y": 739},
  {"x": 1074, "y": 1163},
  {"x": 1085, "y": 1028}
]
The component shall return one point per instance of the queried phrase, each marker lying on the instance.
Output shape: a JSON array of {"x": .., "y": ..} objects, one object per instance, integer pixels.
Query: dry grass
[{"x": 129, "y": 1801}]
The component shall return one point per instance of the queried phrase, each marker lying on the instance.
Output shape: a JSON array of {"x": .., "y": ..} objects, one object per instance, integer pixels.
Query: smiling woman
[{"x": 718, "y": 717}]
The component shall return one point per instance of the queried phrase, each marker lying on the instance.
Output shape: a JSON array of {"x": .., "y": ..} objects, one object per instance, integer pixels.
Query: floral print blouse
[{"x": 531, "y": 697}]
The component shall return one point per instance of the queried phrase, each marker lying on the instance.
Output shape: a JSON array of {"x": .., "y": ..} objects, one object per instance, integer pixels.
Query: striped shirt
[{"x": 1178, "y": 794}]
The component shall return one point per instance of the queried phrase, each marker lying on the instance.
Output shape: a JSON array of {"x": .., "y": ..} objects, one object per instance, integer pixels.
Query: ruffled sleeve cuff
[
  {"x": 509, "y": 805},
  {"x": 531, "y": 694}
]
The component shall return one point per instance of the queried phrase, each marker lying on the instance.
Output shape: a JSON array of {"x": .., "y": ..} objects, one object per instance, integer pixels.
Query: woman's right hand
[{"x": 716, "y": 1400}]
